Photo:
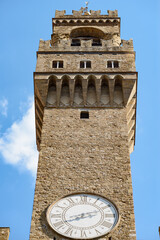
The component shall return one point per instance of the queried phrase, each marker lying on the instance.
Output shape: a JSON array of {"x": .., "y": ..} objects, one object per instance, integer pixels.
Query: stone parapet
[
  {"x": 63, "y": 43},
  {"x": 81, "y": 13}
]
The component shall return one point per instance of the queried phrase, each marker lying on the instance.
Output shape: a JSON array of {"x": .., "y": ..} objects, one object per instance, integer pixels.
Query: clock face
[{"x": 82, "y": 216}]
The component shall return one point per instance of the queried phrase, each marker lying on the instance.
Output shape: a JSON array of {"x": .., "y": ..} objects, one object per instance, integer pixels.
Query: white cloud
[
  {"x": 17, "y": 144},
  {"x": 4, "y": 107}
]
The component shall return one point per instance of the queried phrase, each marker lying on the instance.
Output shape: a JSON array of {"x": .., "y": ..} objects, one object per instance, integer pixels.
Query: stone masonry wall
[
  {"x": 98, "y": 61},
  {"x": 78, "y": 155}
]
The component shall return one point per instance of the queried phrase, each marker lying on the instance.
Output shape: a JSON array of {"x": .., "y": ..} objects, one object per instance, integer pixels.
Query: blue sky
[{"x": 22, "y": 24}]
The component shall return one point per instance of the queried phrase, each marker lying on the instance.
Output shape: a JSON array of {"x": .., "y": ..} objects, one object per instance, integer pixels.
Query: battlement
[
  {"x": 65, "y": 45},
  {"x": 85, "y": 14}
]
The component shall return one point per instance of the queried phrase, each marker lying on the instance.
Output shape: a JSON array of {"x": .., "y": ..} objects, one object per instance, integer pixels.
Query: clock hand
[
  {"x": 82, "y": 216},
  {"x": 83, "y": 213}
]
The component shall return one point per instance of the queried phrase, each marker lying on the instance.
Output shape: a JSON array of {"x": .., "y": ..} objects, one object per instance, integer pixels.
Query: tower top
[{"x": 83, "y": 12}]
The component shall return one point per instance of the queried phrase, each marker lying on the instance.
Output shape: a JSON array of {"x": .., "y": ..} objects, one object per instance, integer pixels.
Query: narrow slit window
[
  {"x": 57, "y": 64},
  {"x": 84, "y": 115}
]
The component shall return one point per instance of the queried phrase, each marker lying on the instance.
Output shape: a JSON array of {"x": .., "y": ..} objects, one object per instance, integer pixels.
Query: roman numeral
[
  {"x": 69, "y": 231},
  {"x": 60, "y": 207},
  {"x": 107, "y": 215},
  {"x": 83, "y": 199},
  {"x": 83, "y": 233},
  {"x": 70, "y": 200},
  {"x": 106, "y": 224},
  {"x": 58, "y": 224},
  {"x": 56, "y": 216},
  {"x": 107, "y": 206},
  {"x": 96, "y": 201},
  {"x": 97, "y": 232}
]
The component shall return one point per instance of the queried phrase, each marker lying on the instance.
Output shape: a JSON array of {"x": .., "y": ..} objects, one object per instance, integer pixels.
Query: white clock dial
[{"x": 82, "y": 216}]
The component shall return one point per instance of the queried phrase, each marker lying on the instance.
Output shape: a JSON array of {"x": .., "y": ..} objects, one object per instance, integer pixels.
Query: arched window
[
  {"x": 104, "y": 92},
  {"x": 65, "y": 94},
  {"x": 91, "y": 92},
  {"x": 52, "y": 93}
]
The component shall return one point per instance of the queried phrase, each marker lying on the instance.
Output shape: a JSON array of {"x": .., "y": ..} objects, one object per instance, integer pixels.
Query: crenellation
[
  {"x": 83, "y": 14},
  {"x": 77, "y": 14},
  {"x": 113, "y": 13},
  {"x": 63, "y": 43},
  {"x": 95, "y": 13},
  {"x": 127, "y": 44},
  {"x": 59, "y": 14}
]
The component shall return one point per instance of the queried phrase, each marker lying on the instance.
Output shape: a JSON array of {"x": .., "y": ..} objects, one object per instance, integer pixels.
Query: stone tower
[{"x": 85, "y": 103}]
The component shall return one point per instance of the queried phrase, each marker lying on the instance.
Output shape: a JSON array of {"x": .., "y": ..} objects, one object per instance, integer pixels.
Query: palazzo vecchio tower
[{"x": 85, "y": 104}]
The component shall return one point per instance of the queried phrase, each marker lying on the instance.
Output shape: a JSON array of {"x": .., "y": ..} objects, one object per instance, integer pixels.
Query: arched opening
[
  {"x": 91, "y": 91},
  {"x": 52, "y": 92},
  {"x": 71, "y": 21},
  {"x": 104, "y": 92},
  {"x": 65, "y": 94},
  {"x": 64, "y": 22},
  {"x": 118, "y": 94},
  {"x": 86, "y": 21},
  {"x": 93, "y": 21},
  {"x": 79, "y": 22},
  {"x": 78, "y": 91},
  {"x": 86, "y": 33}
]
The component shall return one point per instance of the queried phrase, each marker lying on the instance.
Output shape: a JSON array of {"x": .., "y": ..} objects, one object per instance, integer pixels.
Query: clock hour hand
[{"x": 82, "y": 215}]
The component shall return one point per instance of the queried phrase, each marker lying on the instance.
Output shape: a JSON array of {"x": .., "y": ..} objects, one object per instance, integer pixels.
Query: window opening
[
  {"x": 76, "y": 42},
  {"x": 84, "y": 115},
  {"x": 57, "y": 64},
  {"x": 96, "y": 42},
  {"x": 85, "y": 64},
  {"x": 116, "y": 64},
  {"x": 109, "y": 64},
  {"x": 112, "y": 64},
  {"x": 110, "y": 238}
]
